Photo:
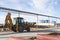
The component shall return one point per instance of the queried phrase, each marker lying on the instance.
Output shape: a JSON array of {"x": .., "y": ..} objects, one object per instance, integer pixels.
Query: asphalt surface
[
  {"x": 6, "y": 35},
  {"x": 29, "y": 34}
]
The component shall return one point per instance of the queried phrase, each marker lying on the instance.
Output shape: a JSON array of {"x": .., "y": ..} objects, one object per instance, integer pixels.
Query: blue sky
[{"x": 47, "y": 7}]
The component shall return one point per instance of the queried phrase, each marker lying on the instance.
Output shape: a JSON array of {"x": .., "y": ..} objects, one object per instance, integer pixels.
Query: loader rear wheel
[
  {"x": 14, "y": 29},
  {"x": 20, "y": 29}
]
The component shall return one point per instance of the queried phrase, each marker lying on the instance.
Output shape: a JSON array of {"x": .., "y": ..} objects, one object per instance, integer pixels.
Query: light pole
[{"x": 19, "y": 14}]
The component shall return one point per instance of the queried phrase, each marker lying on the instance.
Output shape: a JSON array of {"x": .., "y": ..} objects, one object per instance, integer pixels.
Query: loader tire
[
  {"x": 20, "y": 29},
  {"x": 14, "y": 29},
  {"x": 28, "y": 29}
]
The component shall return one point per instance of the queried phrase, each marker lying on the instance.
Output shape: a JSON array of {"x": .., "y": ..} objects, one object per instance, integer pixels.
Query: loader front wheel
[{"x": 20, "y": 29}]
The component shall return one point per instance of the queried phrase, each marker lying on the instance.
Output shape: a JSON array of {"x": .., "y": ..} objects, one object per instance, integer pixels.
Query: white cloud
[
  {"x": 39, "y": 6},
  {"x": 14, "y": 1},
  {"x": 1, "y": 3},
  {"x": 45, "y": 6}
]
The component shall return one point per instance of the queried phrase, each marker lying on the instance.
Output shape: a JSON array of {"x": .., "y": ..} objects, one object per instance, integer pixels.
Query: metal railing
[{"x": 19, "y": 12}]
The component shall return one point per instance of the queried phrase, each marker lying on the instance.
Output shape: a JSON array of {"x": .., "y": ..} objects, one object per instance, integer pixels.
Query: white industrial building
[{"x": 46, "y": 23}]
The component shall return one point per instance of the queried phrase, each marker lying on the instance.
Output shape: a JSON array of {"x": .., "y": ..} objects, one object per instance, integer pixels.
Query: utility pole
[
  {"x": 19, "y": 14},
  {"x": 37, "y": 21}
]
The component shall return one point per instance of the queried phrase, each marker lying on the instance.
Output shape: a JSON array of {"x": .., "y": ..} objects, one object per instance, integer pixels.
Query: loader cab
[{"x": 19, "y": 20}]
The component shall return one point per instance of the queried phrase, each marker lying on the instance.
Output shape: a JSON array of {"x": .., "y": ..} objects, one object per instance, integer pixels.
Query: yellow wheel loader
[{"x": 19, "y": 25}]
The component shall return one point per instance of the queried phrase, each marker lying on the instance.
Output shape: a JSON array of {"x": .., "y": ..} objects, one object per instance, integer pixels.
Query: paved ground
[
  {"x": 6, "y": 35},
  {"x": 25, "y": 35}
]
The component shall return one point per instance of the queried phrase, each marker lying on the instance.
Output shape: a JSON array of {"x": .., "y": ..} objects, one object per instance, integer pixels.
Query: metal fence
[{"x": 40, "y": 19}]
